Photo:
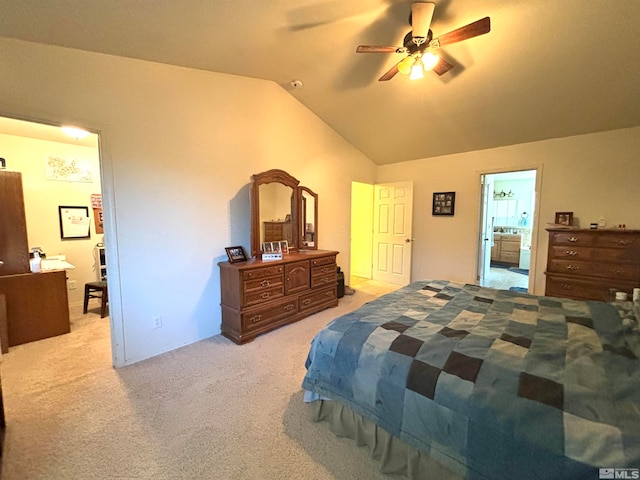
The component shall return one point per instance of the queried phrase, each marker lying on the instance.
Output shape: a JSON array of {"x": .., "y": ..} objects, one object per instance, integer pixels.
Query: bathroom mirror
[
  {"x": 274, "y": 209},
  {"x": 308, "y": 207}
]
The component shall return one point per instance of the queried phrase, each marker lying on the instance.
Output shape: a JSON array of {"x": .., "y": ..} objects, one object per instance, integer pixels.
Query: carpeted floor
[{"x": 211, "y": 410}]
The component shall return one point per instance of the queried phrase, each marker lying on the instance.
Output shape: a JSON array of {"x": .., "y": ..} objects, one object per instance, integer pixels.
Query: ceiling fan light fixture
[
  {"x": 406, "y": 65},
  {"x": 416, "y": 71},
  {"x": 429, "y": 61}
]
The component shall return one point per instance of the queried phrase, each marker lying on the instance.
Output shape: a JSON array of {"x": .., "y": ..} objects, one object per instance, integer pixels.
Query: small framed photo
[
  {"x": 284, "y": 246},
  {"x": 266, "y": 247},
  {"x": 275, "y": 247},
  {"x": 444, "y": 203},
  {"x": 236, "y": 254},
  {"x": 564, "y": 218}
]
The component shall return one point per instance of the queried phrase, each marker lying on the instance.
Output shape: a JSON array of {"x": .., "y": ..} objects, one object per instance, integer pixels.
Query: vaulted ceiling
[{"x": 547, "y": 69}]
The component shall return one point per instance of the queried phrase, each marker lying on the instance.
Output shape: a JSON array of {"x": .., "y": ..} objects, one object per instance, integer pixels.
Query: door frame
[
  {"x": 116, "y": 321},
  {"x": 367, "y": 222},
  {"x": 535, "y": 228}
]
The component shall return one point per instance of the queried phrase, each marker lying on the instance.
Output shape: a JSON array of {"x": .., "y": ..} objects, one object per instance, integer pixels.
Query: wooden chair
[{"x": 96, "y": 290}]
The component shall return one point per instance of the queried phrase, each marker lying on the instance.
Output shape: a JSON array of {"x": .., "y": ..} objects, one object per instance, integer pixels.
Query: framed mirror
[
  {"x": 308, "y": 209},
  {"x": 274, "y": 209}
]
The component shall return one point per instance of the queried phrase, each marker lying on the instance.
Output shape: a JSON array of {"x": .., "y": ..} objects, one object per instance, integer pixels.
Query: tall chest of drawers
[
  {"x": 259, "y": 296},
  {"x": 587, "y": 264}
]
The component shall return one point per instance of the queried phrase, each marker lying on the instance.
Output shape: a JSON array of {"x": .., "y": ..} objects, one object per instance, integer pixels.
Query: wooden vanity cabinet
[
  {"x": 506, "y": 248},
  {"x": 259, "y": 296},
  {"x": 587, "y": 264}
]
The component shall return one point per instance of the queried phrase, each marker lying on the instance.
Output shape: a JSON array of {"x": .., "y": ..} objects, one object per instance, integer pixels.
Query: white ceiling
[{"x": 547, "y": 69}]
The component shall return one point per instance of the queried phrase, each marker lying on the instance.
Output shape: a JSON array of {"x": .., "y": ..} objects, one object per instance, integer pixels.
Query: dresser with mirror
[{"x": 259, "y": 295}]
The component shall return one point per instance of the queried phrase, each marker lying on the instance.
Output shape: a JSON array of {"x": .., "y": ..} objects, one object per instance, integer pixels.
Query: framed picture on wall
[
  {"x": 74, "y": 222},
  {"x": 444, "y": 203}
]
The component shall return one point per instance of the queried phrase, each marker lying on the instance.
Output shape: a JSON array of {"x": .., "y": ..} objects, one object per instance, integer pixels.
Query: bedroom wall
[
  {"x": 42, "y": 198},
  {"x": 178, "y": 148},
  {"x": 591, "y": 175}
]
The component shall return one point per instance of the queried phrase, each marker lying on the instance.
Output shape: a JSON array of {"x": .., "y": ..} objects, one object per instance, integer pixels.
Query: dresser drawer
[
  {"x": 327, "y": 279},
  {"x": 326, "y": 295},
  {"x": 262, "y": 283},
  {"x": 572, "y": 238},
  {"x": 263, "y": 272},
  {"x": 617, "y": 240},
  {"x": 595, "y": 269},
  {"x": 575, "y": 288},
  {"x": 583, "y": 288},
  {"x": 269, "y": 313},
  {"x": 263, "y": 295},
  {"x": 571, "y": 252},
  {"x": 323, "y": 261}
]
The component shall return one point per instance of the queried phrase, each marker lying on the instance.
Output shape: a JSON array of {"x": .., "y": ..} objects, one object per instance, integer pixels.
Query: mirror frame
[
  {"x": 302, "y": 226},
  {"x": 271, "y": 176}
]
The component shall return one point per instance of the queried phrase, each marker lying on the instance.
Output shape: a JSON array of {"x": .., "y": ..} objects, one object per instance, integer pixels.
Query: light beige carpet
[{"x": 211, "y": 410}]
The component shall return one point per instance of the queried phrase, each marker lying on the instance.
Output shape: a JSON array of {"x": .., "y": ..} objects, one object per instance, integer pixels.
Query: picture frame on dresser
[
  {"x": 564, "y": 218},
  {"x": 236, "y": 254}
]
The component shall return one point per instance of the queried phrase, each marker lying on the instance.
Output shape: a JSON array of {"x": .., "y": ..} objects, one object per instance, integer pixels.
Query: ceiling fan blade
[
  {"x": 390, "y": 74},
  {"x": 479, "y": 27},
  {"x": 379, "y": 49},
  {"x": 442, "y": 67},
  {"x": 421, "y": 15}
]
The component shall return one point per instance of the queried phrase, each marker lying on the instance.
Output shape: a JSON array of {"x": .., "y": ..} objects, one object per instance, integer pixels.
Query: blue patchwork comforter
[{"x": 493, "y": 383}]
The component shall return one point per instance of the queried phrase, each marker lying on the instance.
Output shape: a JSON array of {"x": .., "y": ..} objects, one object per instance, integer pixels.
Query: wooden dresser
[
  {"x": 586, "y": 264},
  {"x": 259, "y": 296},
  {"x": 276, "y": 231}
]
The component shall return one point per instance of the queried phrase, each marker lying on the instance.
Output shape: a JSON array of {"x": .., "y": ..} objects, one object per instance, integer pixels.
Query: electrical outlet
[
  {"x": 72, "y": 284},
  {"x": 602, "y": 222},
  {"x": 157, "y": 321}
]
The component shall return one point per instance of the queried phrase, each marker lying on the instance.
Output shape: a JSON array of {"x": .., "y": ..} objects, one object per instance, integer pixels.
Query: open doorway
[
  {"x": 381, "y": 236},
  {"x": 60, "y": 177},
  {"x": 508, "y": 203}
]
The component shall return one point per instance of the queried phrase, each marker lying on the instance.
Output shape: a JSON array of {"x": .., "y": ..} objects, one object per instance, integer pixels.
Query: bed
[{"x": 488, "y": 383}]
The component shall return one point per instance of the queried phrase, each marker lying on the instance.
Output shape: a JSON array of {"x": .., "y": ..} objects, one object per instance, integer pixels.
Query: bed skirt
[{"x": 394, "y": 455}]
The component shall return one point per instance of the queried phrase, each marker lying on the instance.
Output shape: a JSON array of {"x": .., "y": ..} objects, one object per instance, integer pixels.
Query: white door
[
  {"x": 392, "y": 216},
  {"x": 486, "y": 231}
]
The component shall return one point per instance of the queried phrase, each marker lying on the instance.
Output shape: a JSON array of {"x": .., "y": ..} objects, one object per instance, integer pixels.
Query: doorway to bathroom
[{"x": 508, "y": 203}]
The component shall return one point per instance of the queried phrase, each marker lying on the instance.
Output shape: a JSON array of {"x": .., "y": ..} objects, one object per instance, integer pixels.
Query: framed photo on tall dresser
[{"x": 564, "y": 218}]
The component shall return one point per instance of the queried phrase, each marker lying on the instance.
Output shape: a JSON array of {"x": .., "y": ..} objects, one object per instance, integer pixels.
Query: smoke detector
[{"x": 296, "y": 83}]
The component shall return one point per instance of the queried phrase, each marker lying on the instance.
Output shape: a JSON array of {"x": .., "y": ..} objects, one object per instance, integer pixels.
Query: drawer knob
[
  {"x": 572, "y": 267},
  {"x": 265, "y": 283},
  {"x": 573, "y": 239},
  {"x": 566, "y": 286},
  {"x": 325, "y": 280},
  {"x": 306, "y": 302},
  {"x": 325, "y": 270},
  {"x": 255, "y": 318},
  {"x": 622, "y": 242},
  {"x": 288, "y": 308},
  {"x": 619, "y": 272},
  {"x": 328, "y": 294},
  {"x": 572, "y": 253},
  {"x": 265, "y": 295}
]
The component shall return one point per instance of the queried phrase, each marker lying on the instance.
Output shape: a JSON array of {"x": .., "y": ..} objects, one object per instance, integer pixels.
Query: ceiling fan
[{"x": 419, "y": 43}]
